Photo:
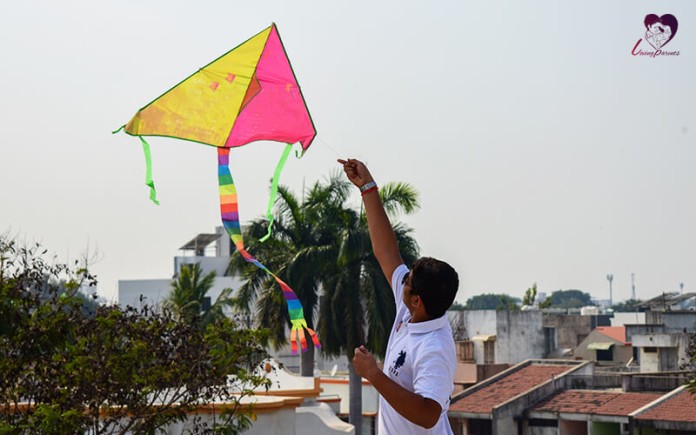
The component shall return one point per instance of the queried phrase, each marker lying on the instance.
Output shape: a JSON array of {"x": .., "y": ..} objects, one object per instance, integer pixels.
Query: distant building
[
  {"x": 606, "y": 345},
  {"x": 496, "y": 337},
  {"x": 568, "y": 397},
  {"x": 152, "y": 292},
  {"x": 563, "y": 332},
  {"x": 662, "y": 346}
]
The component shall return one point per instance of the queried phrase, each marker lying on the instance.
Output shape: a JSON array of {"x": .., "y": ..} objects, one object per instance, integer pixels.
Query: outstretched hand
[{"x": 356, "y": 171}]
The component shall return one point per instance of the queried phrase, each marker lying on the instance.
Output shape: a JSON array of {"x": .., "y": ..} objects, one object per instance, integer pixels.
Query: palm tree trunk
[
  {"x": 355, "y": 397},
  {"x": 307, "y": 361}
]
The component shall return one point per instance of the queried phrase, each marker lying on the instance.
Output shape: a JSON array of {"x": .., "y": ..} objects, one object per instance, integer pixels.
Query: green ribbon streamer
[
  {"x": 274, "y": 189},
  {"x": 148, "y": 171}
]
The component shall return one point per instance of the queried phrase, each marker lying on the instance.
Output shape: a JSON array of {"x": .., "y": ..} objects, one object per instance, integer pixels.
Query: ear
[{"x": 416, "y": 301}]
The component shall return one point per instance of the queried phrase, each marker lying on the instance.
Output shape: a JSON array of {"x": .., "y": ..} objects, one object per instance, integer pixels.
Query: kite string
[{"x": 330, "y": 147}]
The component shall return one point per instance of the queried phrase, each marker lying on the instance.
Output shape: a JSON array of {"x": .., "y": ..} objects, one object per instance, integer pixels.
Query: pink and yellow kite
[{"x": 248, "y": 94}]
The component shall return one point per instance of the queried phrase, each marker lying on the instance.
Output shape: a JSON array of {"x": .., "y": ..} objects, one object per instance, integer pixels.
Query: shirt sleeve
[
  {"x": 397, "y": 285},
  {"x": 434, "y": 376}
]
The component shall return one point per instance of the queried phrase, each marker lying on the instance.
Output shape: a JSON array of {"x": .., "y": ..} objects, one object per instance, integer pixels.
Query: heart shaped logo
[{"x": 660, "y": 30}]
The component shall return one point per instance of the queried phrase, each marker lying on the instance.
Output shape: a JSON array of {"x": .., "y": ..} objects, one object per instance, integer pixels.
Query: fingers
[
  {"x": 363, "y": 350},
  {"x": 350, "y": 162}
]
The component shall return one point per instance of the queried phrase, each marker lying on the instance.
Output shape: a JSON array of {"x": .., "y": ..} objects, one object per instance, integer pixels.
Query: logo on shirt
[{"x": 398, "y": 363}]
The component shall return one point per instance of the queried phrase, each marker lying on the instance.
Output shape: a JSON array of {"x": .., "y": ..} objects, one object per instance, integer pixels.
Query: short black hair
[{"x": 436, "y": 282}]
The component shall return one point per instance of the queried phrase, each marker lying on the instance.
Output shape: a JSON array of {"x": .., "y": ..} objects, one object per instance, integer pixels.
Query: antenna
[
  {"x": 610, "y": 278},
  {"x": 633, "y": 286}
]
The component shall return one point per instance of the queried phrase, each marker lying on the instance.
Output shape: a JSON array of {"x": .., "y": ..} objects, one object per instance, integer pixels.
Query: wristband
[
  {"x": 368, "y": 190},
  {"x": 368, "y": 186}
]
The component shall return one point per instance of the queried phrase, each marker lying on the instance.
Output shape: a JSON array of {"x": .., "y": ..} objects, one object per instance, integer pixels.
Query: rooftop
[
  {"x": 596, "y": 402},
  {"x": 618, "y": 333},
  {"x": 665, "y": 300},
  {"x": 483, "y": 399},
  {"x": 677, "y": 407},
  {"x": 201, "y": 241}
]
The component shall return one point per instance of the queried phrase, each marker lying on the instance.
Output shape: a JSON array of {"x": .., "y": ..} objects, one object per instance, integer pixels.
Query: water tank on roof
[{"x": 589, "y": 311}]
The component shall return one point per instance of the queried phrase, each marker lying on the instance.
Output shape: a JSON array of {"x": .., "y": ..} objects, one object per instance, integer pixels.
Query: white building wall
[
  {"x": 208, "y": 264},
  {"x": 649, "y": 361},
  {"x": 154, "y": 291},
  {"x": 519, "y": 336},
  {"x": 621, "y": 319},
  {"x": 319, "y": 419},
  {"x": 338, "y": 385},
  {"x": 480, "y": 322}
]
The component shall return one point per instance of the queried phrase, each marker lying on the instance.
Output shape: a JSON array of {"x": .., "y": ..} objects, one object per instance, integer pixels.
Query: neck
[{"x": 418, "y": 316}]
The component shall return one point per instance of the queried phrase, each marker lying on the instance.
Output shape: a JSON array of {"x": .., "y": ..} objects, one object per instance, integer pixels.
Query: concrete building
[
  {"x": 606, "y": 345},
  {"x": 662, "y": 342},
  {"x": 672, "y": 414},
  {"x": 293, "y": 405},
  {"x": 564, "y": 331},
  {"x": 669, "y": 302},
  {"x": 586, "y": 412},
  {"x": 569, "y": 397},
  {"x": 623, "y": 319},
  {"x": 495, "y": 405},
  {"x": 495, "y": 336}
]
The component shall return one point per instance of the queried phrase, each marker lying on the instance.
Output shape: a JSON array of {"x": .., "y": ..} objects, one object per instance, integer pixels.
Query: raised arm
[{"x": 382, "y": 235}]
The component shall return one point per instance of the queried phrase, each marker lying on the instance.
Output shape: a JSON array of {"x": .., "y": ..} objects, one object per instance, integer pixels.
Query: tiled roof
[
  {"x": 483, "y": 400},
  {"x": 626, "y": 403},
  {"x": 596, "y": 402},
  {"x": 618, "y": 333},
  {"x": 679, "y": 407}
]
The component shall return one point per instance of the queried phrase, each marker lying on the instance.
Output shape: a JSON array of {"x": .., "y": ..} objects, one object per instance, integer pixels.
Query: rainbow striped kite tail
[{"x": 298, "y": 331}]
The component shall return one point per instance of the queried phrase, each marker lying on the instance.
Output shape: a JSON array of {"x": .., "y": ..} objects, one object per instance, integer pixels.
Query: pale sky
[{"x": 542, "y": 149}]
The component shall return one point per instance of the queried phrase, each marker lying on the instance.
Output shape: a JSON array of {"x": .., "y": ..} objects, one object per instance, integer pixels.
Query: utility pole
[
  {"x": 681, "y": 288},
  {"x": 633, "y": 286},
  {"x": 610, "y": 278}
]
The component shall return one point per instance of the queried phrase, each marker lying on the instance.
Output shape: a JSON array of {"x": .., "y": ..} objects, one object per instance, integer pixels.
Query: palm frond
[{"x": 399, "y": 198}]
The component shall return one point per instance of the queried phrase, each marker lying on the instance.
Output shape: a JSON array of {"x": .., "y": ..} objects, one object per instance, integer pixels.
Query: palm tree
[
  {"x": 301, "y": 249},
  {"x": 189, "y": 299},
  {"x": 322, "y": 243}
]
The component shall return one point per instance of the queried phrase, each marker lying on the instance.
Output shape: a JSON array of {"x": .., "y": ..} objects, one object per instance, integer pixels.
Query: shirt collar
[{"x": 427, "y": 326}]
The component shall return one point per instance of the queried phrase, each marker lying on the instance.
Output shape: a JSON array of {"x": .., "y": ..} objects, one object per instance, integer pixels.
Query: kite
[{"x": 248, "y": 94}]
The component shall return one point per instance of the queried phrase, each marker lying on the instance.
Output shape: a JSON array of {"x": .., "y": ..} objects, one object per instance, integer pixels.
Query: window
[
  {"x": 605, "y": 355},
  {"x": 465, "y": 350},
  {"x": 489, "y": 352},
  {"x": 480, "y": 427},
  {"x": 543, "y": 422},
  {"x": 549, "y": 340}
]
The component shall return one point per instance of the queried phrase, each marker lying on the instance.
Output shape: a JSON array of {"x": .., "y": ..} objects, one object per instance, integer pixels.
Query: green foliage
[
  {"x": 530, "y": 295},
  {"x": 546, "y": 303},
  {"x": 189, "y": 299},
  {"x": 321, "y": 242},
  {"x": 113, "y": 371},
  {"x": 456, "y": 306},
  {"x": 490, "y": 301},
  {"x": 570, "y": 299},
  {"x": 628, "y": 306},
  {"x": 691, "y": 365}
]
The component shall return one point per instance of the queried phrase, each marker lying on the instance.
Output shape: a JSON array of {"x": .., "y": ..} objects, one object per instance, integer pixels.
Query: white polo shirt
[{"x": 421, "y": 358}]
